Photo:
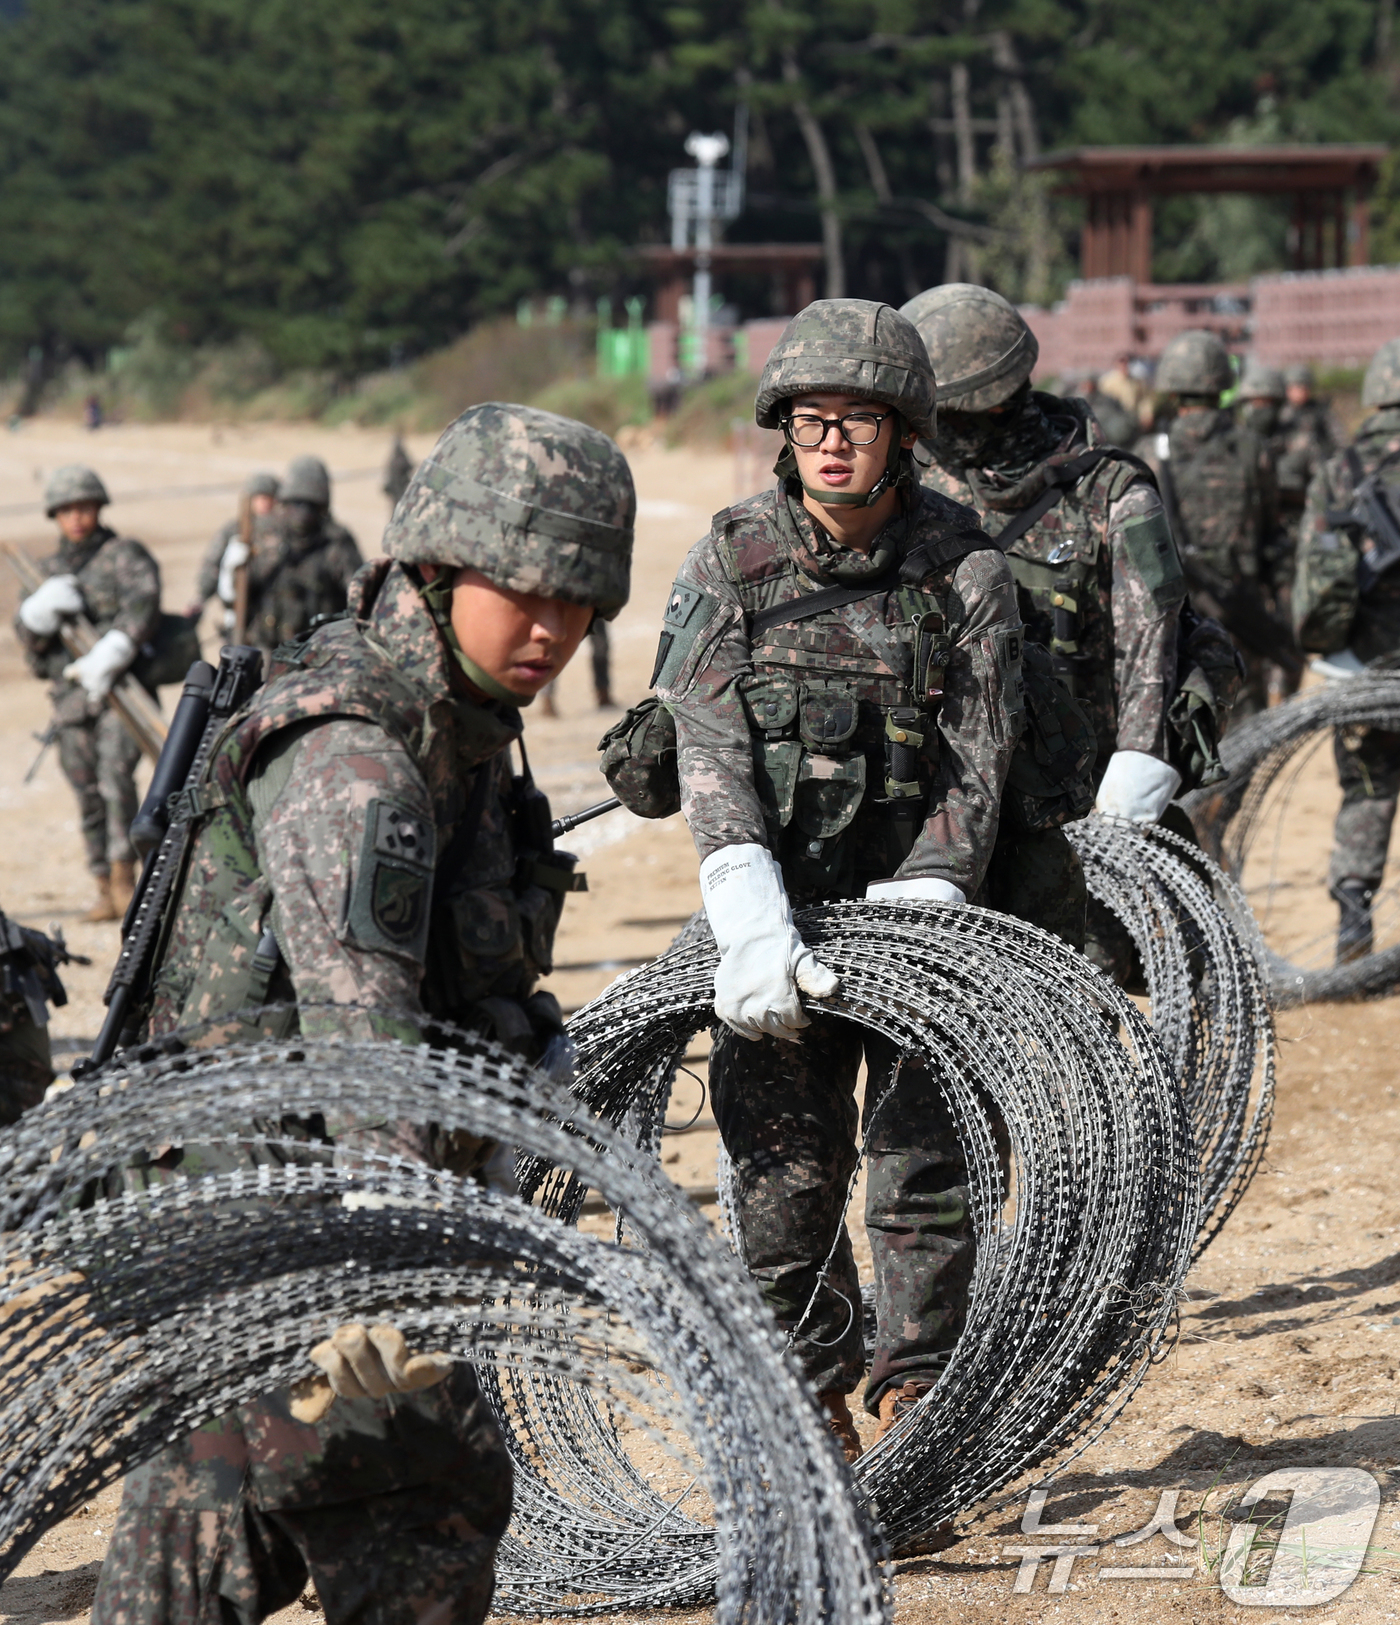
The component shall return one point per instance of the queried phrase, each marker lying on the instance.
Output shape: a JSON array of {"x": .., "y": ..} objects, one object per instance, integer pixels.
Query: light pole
[{"x": 706, "y": 150}]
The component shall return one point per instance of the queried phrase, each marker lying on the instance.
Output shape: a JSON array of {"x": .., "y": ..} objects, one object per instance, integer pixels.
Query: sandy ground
[{"x": 1289, "y": 1353}]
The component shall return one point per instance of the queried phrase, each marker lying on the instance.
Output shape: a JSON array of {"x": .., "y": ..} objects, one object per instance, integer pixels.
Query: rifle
[
  {"x": 562, "y": 826},
  {"x": 1372, "y": 521},
  {"x": 240, "y": 575},
  {"x": 128, "y": 699},
  {"x": 209, "y": 699},
  {"x": 45, "y": 739},
  {"x": 1238, "y": 605}
]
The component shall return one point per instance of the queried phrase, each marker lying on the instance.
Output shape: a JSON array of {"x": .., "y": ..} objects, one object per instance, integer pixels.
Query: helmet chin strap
[{"x": 893, "y": 473}]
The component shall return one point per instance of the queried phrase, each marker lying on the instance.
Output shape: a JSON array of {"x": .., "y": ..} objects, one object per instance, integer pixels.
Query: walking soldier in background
[
  {"x": 1346, "y": 606},
  {"x": 365, "y": 850},
  {"x": 260, "y": 493},
  {"x": 1218, "y": 478},
  {"x": 116, "y": 583},
  {"x": 29, "y": 983},
  {"x": 300, "y": 566},
  {"x": 842, "y": 658}
]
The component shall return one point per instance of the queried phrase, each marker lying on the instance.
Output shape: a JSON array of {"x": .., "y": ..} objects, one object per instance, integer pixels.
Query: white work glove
[
  {"x": 100, "y": 667},
  {"x": 1137, "y": 787},
  {"x": 44, "y": 608},
  {"x": 1335, "y": 668},
  {"x": 763, "y": 961},
  {"x": 914, "y": 891},
  {"x": 236, "y": 555},
  {"x": 364, "y": 1364}
]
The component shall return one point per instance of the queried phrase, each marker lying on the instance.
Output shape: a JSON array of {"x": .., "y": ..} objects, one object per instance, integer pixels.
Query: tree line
[{"x": 351, "y": 181}]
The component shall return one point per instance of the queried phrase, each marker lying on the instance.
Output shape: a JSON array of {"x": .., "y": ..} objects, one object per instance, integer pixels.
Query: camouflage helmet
[
  {"x": 1194, "y": 363},
  {"x": 1259, "y": 382},
  {"x": 307, "y": 481},
  {"x": 73, "y": 483},
  {"x": 1300, "y": 373},
  {"x": 538, "y": 503},
  {"x": 980, "y": 345},
  {"x": 858, "y": 345},
  {"x": 1381, "y": 385},
  {"x": 261, "y": 485}
]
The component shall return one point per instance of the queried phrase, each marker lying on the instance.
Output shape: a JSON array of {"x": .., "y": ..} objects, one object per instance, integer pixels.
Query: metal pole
[{"x": 707, "y": 150}]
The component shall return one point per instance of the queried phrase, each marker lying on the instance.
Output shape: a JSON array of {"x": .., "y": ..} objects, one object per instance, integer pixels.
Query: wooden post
[
  {"x": 1141, "y": 258},
  {"x": 1361, "y": 223}
]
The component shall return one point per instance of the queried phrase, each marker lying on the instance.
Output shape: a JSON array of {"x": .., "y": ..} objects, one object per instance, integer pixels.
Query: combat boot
[
  {"x": 841, "y": 1422},
  {"x": 896, "y": 1403},
  {"x": 104, "y": 908},
  {"x": 123, "y": 884},
  {"x": 1354, "y": 934}
]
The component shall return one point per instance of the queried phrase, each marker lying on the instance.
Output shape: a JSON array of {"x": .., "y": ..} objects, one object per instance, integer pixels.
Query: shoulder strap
[
  {"x": 816, "y": 603},
  {"x": 1062, "y": 480}
]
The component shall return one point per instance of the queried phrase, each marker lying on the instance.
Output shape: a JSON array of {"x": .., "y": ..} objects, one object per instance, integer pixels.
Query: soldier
[
  {"x": 29, "y": 983},
  {"x": 368, "y": 851},
  {"x": 1097, "y": 578},
  {"x": 397, "y": 472},
  {"x": 1262, "y": 393},
  {"x": 115, "y": 582},
  {"x": 1219, "y": 480},
  {"x": 841, "y": 655},
  {"x": 1307, "y": 437},
  {"x": 301, "y": 565},
  {"x": 260, "y": 492},
  {"x": 1347, "y": 607}
]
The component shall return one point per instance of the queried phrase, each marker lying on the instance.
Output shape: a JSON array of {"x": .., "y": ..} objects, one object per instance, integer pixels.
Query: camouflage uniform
[
  {"x": 302, "y": 562},
  {"x": 361, "y": 847},
  {"x": 1091, "y": 582},
  {"x": 120, "y": 583},
  {"x": 1368, "y": 759},
  {"x": 207, "y": 582},
  {"x": 1222, "y": 477},
  {"x": 28, "y": 984},
  {"x": 782, "y": 741}
]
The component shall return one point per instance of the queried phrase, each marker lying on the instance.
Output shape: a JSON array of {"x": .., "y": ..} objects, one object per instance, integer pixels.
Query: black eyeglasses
[{"x": 857, "y": 428}]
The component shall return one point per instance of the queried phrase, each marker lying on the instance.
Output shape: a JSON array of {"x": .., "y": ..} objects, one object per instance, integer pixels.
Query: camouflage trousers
[
  {"x": 1039, "y": 879},
  {"x": 1107, "y": 943},
  {"x": 99, "y": 758},
  {"x": 787, "y": 1115},
  {"x": 26, "y": 1067},
  {"x": 393, "y": 1508},
  {"x": 1368, "y": 768}
]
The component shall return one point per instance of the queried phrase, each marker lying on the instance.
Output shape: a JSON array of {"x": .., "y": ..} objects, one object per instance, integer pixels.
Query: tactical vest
[
  {"x": 845, "y": 753},
  {"x": 1216, "y": 483},
  {"x": 487, "y": 931}
]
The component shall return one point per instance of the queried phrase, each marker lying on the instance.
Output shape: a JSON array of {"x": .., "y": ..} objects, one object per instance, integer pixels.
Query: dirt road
[{"x": 1289, "y": 1352}]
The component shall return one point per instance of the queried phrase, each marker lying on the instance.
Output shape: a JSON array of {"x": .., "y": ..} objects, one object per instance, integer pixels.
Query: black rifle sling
[
  {"x": 1063, "y": 480},
  {"x": 817, "y": 603}
]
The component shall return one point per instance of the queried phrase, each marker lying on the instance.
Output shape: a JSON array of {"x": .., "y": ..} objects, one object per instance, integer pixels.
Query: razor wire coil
[
  {"x": 1265, "y": 752},
  {"x": 1078, "y": 1275},
  {"x": 127, "y": 1319}
]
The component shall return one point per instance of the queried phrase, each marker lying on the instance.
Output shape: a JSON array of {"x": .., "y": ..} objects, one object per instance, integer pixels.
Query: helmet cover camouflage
[
  {"x": 73, "y": 483},
  {"x": 980, "y": 345},
  {"x": 1194, "y": 363},
  {"x": 1261, "y": 383},
  {"x": 261, "y": 485},
  {"x": 1300, "y": 373},
  {"x": 1381, "y": 385},
  {"x": 538, "y": 503},
  {"x": 307, "y": 481},
  {"x": 849, "y": 345}
]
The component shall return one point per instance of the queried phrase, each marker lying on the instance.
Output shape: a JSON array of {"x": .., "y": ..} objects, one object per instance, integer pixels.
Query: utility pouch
[
  {"x": 932, "y": 642},
  {"x": 904, "y": 739},
  {"x": 1326, "y": 591},
  {"x": 829, "y": 791},
  {"x": 1209, "y": 673},
  {"x": 827, "y": 717},
  {"x": 639, "y": 760},
  {"x": 771, "y": 703},
  {"x": 173, "y": 649},
  {"x": 1051, "y": 780},
  {"x": 775, "y": 767}
]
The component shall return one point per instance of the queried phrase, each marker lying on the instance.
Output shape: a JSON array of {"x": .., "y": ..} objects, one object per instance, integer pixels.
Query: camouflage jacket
[
  {"x": 362, "y": 814},
  {"x": 1375, "y": 628},
  {"x": 293, "y": 579},
  {"x": 120, "y": 583},
  {"x": 1095, "y": 551},
  {"x": 783, "y": 735},
  {"x": 1227, "y": 508},
  {"x": 1304, "y": 439},
  {"x": 207, "y": 582}
]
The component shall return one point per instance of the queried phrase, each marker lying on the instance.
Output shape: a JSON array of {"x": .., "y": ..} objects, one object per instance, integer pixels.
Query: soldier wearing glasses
[{"x": 853, "y": 750}]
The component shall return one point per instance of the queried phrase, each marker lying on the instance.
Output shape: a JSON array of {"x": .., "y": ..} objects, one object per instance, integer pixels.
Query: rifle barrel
[{"x": 562, "y": 826}]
